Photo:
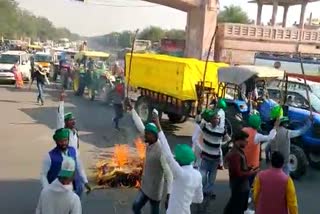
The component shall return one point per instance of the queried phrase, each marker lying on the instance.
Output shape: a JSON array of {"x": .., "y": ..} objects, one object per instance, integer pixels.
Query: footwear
[{"x": 249, "y": 211}]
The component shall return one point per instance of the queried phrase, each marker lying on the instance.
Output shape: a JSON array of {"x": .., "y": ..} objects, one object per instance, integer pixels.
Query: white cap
[{"x": 68, "y": 167}]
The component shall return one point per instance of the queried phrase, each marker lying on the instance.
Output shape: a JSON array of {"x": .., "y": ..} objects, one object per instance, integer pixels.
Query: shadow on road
[{"x": 19, "y": 196}]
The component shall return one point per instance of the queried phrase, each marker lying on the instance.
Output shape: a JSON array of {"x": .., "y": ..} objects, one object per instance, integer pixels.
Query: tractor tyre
[{"x": 298, "y": 162}]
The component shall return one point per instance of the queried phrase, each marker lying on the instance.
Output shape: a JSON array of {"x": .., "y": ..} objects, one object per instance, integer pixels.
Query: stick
[
  {"x": 305, "y": 82},
  {"x": 205, "y": 69},
  {"x": 130, "y": 62}
]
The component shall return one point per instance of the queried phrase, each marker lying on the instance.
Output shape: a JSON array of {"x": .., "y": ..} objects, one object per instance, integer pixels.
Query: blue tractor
[{"x": 304, "y": 149}]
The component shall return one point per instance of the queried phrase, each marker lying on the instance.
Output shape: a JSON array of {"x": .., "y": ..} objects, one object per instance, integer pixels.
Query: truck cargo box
[{"x": 172, "y": 76}]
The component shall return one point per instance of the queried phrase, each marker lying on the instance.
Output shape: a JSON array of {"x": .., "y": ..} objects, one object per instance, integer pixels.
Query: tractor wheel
[
  {"x": 298, "y": 162},
  {"x": 144, "y": 109},
  {"x": 314, "y": 159},
  {"x": 177, "y": 118}
]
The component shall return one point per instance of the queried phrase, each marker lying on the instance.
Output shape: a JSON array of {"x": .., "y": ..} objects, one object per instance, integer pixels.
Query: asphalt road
[{"x": 26, "y": 135}]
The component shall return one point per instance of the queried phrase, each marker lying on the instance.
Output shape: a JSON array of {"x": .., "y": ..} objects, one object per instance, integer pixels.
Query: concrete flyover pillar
[
  {"x": 259, "y": 13},
  {"x": 201, "y": 24},
  {"x": 274, "y": 12},
  {"x": 285, "y": 14},
  {"x": 302, "y": 13}
]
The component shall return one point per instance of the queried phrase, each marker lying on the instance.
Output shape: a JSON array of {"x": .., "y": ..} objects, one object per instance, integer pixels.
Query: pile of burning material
[{"x": 124, "y": 168}]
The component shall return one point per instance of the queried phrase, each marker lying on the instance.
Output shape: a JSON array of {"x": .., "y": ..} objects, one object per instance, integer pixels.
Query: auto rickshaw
[{"x": 91, "y": 78}]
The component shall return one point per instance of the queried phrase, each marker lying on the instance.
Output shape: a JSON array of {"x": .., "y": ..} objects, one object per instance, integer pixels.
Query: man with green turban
[
  {"x": 187, "y": 181},
  {"x": 155, "y": 170},
  {"x": 252, "y": 150},
  {"x": 53, "y": 161},
  {"x": 68, "y": 121}
]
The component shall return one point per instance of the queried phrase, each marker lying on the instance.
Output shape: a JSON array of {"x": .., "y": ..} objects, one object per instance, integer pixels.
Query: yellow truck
[{"x": 172, "y": 85}]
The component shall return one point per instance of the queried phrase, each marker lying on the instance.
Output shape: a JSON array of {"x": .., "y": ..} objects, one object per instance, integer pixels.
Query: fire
[{"x": 124, "y": 167}]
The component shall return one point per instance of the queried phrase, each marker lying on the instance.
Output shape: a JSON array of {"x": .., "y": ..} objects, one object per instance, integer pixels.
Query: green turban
[
  {"x": 152, "y": 128},
  {"x": 276, "y": 112},
  {"x": 68, "y": 116},
  {"x": 222, "y": 104},
  {"x": 61, "y": 134},
  {"x": 284, "y": 120},
  {"x": 184, "y": 154},
  {"x": 208, "y": 114},
  {"x": 255, "y": 121}
]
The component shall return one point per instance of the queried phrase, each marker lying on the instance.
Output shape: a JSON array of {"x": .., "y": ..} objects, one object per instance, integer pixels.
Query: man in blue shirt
[{"x": 265, "y": 109}]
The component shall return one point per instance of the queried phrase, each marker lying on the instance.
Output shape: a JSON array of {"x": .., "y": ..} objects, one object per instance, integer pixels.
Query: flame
[
  {"x": 121, "y": 155},
  {"x": 141, "y": 148},
  {"x": 124, "y": 167}
]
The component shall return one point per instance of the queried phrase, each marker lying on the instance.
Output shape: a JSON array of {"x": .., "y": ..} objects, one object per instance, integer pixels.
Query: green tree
[
  {"x": 152, "y": 33},
  {"x": 233, "y": 14},
  {"x": 175, "y": 34},
  {"x": 125, "y": 39}
]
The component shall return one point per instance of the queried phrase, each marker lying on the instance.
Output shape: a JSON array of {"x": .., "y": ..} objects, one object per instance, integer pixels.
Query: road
[{"x": 26, "y": 130}]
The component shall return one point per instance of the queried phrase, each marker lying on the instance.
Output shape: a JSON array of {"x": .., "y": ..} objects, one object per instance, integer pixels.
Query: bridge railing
[{"x": 254, "y": 32}]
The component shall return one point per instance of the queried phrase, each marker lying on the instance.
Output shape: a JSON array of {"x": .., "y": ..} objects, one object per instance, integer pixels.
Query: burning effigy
[{"x": 124, "y": 167}]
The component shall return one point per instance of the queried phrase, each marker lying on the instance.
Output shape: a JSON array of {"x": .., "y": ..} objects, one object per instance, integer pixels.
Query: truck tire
[
  {"x": 176, "y": 118},
  {"x": 314, "y": 159},
  {"x": 298, "y": 162},
  {"x": 144, "y": 109},
  {"x": 232, "y": 115}
]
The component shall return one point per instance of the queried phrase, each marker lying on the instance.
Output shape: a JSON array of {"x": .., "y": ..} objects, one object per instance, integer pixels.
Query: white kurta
[
  {"x": 58, "y": 199},
  {"x": 73, "y": 136},
  {"x": 187, "y": 182},
  {"x": 46, "y": 166}
]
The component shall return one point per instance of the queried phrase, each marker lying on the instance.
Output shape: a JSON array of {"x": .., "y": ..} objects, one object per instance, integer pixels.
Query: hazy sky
[{"x": 95, "y": 19}]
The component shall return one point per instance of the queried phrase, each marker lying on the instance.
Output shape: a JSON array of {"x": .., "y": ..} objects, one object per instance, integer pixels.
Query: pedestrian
[
  {"x": 252, "y": 150},
  {"x": 40, "y": 76},
  {"x": 68, "y": 121},
  {"x": 155, "y": 170},
  {"x": 17, "y": 76},
  {"x": 282, "y": 140},
  {"x": 209, "y": 139},
  {"x": 274, "y": 191},
  {"x": 118, "y": 95},
  {"x": 53, "y": 160},
  {"x": 187, "y": 182},
  {"x": 58, "y": 197},
  {"x": 239, "y": 174}
]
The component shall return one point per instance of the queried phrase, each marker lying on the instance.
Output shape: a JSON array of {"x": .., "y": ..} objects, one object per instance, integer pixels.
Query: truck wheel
[
  {"x": 144, "y": 109},
  {"x": 176, "y": 118},
  {"x": 234, "y": 118},
  {"x": 298, "y": 162},
  {"x": 314, "y": 159}
]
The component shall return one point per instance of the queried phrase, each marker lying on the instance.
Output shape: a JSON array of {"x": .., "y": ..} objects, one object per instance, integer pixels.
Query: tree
[
  {"x": 233, "y": 14},
  {"x": 175, "y": 34},
  {"x": 152, "y": 33},
  {"x": 124, "y": 39}
]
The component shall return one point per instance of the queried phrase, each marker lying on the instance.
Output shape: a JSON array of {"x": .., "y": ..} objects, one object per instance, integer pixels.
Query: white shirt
[
  {"x": 73, "y": 136},
  {"x": 259, "y": 138},
  {"x": 46, "y": 167},
  {"x": 187, "y": 182},
  {"x": 57, "y": 198},
  {"x": 168, "y": 177}
]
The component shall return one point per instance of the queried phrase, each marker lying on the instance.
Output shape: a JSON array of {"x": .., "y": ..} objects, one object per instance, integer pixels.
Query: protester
[
  {"x": 274, "y": 191},
  {"x": 117, "y": 70},
  {"x": 58, "y": 197},
  {"x": 265, "y": 111},
  {"x": 17, "y": 76},
  {"x": 253, "y": 148},
  {"x": 282, "y": 140},
  {"x": 155, "y": 169},
  {"x": 68, "y": 121},
  {"x": 187, "y": 182},
  {"x": 239, "y": 173},
  {"x": 53, "y": 161},
  {"x": 40, "y": 75},
  {"x": 209, "y": 139},
  {"x": 118, "y": 95}
]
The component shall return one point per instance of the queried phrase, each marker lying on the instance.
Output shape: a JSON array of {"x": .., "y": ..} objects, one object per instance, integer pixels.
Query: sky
[{"x": 99, "y": 17}]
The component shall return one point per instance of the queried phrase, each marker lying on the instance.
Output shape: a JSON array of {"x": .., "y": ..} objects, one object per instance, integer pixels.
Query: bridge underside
[{"x": 183, "y": 5}]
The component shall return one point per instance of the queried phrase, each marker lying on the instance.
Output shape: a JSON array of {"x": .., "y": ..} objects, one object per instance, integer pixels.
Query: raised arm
[
  {"x": 60, "y": 113},
  {"x": 137, "y": 121},
  {"x": 168, "y": 177},
  {"x": 44, "y": 171}
]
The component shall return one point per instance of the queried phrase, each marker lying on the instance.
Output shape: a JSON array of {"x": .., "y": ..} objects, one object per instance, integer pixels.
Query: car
[
  {"x": 10, "y": 58},
  {"x": 297, "y": 84},
  {"x": 296, "y": 98}
]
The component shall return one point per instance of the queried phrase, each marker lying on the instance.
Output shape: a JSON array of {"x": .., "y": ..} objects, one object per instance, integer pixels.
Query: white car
[{"x": 9, "y": 59}]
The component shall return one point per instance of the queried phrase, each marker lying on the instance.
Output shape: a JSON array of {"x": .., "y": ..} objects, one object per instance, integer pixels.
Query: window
[{"x": 9, "y": 59}]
